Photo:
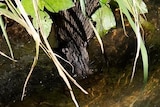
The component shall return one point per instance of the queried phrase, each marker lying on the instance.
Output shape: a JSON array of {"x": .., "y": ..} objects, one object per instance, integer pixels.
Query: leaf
[
  {"x": 123, "y": 7},
  {"x": 104, "y": 1},
  {"x": 141, "y": 6},
  {"x": 6, "y": 36},
  {"x": 28, "y": 6},
  {"x": 82, "y": 3},
  {"x": 3, "y": 6},
  {"x": 51, "y": 5},
  {"x": 56, "y": 5},
  {"x": 45, "y": 21},
  {"x": 41, "y": 4},
  {"x": 145, "y": 60},
  {"x": 126, "y": 6},
  {"x": 104, "y": 19},
  {"x": 98, "y": 36}
]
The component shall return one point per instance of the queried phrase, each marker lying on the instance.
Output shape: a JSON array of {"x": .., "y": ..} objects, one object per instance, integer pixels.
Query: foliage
[
  {"x": 104, "y": 19},
  {"x": 55, "y": 5},
  {"x": 42, "y": 23},
  {"x": 4, "y": 33},
  {"x": 19, "y": 15},
  {"x": 82, "y": 3},
  {"x": 51, "y": 5},
  {"x": 133, "y": 7}
]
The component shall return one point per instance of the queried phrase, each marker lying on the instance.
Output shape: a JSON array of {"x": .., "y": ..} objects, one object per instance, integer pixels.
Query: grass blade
[
  {"x": 127, "y": 8},
  {"x": 7, "y": 56},
  {"x": 82, "y": 4},
  {"x": 6, "y": 36},
  {"x": 98, "y": 36}
]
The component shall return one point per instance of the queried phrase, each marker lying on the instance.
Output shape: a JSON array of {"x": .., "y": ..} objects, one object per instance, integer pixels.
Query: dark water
[{"x": 109, "y": 87}]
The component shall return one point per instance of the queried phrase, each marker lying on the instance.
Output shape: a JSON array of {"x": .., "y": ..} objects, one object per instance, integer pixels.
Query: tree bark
[{"x": 73, "y": 30}]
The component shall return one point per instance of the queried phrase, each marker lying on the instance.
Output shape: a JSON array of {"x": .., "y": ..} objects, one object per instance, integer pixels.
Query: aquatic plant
[{"x": 41, "y": 24}]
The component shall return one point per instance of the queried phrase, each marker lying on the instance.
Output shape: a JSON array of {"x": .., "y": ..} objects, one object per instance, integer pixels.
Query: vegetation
[{"x": 41, "y": 24}]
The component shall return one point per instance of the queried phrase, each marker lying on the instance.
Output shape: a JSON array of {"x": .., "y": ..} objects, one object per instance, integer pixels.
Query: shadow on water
[{"x": 109, "y": 87}]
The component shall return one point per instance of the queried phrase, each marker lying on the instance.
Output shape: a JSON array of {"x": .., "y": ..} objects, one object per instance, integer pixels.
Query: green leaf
[
  {"x": 126, "y": 6},
  {"x": 145, "y": 60},
  {"x": 45, "y": 21},
  {"x": 141, "y": 6},
  {"x": 104, "y": 19},
  {"x": 56, "y": 5},
  {"x": 6, "y": 36},
  {"x": 123, "y": 7},
  {"x": 104, "y": 1},
  {"x": 41, "y": 4},
  {"x": 28, "y": 6},
  {"x": 3, "y": 6}
]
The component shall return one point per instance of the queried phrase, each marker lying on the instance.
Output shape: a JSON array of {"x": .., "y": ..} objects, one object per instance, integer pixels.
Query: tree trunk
[{"x": 73, "y": 30}]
